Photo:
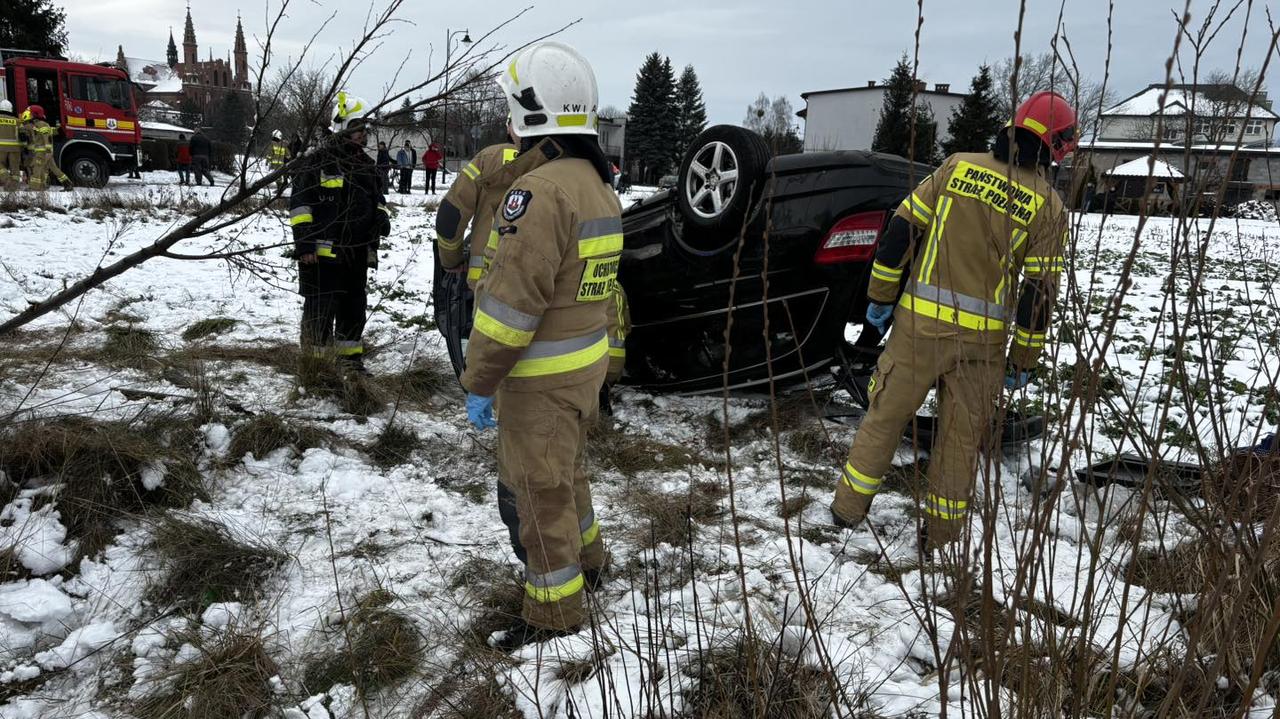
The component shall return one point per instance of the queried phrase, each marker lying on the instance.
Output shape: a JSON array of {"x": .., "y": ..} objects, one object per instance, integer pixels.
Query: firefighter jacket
[
  {"x": 40, "y": 136},
  {"x": 9, "y": 133},
  {"x": 618, "y": 329},
  {"x": 982, "y": 226},
  {"x": 277, "y": 155},
  {"x": 541, "y": 311},
  {"x": 336, "y": 208},
  {"x": 474, "y": 199}
]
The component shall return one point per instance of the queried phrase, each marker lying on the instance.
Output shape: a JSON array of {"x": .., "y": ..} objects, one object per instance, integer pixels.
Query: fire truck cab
[{"x": 91, "y": 105}]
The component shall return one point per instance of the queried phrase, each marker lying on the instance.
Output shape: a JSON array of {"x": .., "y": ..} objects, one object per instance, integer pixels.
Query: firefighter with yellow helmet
[
  {"x": 960, "y": 243},
  {"x": 539, "y": 346}
]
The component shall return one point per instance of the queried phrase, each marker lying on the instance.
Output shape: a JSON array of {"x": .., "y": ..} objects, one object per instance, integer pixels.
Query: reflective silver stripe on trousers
[
  {"x": 507, "y": 315},
  {"x": 585, "y": 523},
  {"x": 555, "y": 348},
  {"x": 553, "y": 579},
  {"x": 617, "y": 343},
  {"x": 477, "y": 260},
  {"x": 300, "y": 210},
  {"x": 950, "y": 298},
  {"x": 600, "y": 227}
]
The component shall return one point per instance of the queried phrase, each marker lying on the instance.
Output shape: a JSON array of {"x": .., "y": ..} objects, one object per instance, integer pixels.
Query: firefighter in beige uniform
[
  {"x": 10, "y": 148},
  {"x": 979, "y": 222},
  {"x": 41, "y": 145},
  {"x": 539, "y": 342},
  {"x": 474, "y": 198}
]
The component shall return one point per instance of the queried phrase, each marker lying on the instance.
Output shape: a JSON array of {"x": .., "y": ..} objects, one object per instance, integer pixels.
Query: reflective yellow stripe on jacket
[
  {"x": 560, "y": 356},
  {"x": 503, "y": 323},
  {"x": 954, "y": 308}
]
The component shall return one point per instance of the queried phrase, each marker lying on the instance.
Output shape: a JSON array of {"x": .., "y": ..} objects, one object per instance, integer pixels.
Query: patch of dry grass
[
  {"x": 230, "y": 678},
  {"x": 673, "y": 517},
  {"x": 632, "y": 453},
  {"x": 754, "y": 679},
  {"x": 378, "y": 648},
  {"x": 267, "y": 432},
  {"x": 203, "y": 562},
  {"x": 395, "y": 446},
  {"x": 420, "y": 384},
  {"x": 127, "y": 346},
  {"x": 100, "y": 468},
  {"x": 494, "y": 593},
  {"x": 210, "y": 326}
]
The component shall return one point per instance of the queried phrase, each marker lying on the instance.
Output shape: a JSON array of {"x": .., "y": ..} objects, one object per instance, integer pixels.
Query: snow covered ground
[{"x": 92, "y": 640}]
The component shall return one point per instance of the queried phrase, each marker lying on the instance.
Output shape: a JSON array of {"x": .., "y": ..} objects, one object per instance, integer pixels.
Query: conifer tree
[
  {"x": 653, "y": 127},
  {"x": 893, "y": 132},
  {"x": 976, "y": 121},
  {"x": 692, "y": 109}
]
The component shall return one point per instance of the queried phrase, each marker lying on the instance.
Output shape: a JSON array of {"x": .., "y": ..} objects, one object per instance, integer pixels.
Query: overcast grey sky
[{"x": 739, "y": 47}]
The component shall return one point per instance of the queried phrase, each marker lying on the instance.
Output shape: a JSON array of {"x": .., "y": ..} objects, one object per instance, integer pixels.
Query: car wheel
[
  {"x": 86, "y": 169},
  {"x": 720, "y": 178}
]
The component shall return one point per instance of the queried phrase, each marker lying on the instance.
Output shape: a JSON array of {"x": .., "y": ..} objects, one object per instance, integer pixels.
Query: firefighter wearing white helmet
[
  {"x": 339, "y": 216},
  {"x": 539, "y": 344},
  {"x": 277, "y": 157},
  {"x": 10, "y": 148}
]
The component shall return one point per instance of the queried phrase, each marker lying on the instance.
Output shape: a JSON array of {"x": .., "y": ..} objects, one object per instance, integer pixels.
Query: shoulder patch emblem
[{"x": 516, "y": 204}]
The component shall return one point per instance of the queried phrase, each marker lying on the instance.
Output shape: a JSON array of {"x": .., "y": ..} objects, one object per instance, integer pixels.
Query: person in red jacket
[
  {"x": 184, "y": 161},
  {"x": 432, "y": 159}
]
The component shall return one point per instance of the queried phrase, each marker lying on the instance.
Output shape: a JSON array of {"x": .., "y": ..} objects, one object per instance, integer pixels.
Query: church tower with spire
[
  {"x": 171, "y": 54},
  {"x": 242, "y": 56},
  {"x": 190, "y": 51}
]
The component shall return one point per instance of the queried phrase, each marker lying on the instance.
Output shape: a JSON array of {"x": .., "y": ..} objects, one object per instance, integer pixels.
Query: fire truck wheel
[{"x": 86, "y": 169}]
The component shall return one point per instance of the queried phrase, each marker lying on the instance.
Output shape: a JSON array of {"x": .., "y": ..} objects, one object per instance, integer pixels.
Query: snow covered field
[{"x": 420, "y": 529}]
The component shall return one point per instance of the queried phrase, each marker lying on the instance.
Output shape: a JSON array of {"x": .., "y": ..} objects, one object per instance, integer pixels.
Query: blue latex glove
[
  {"x": 480, "y": 411},
  {"x": 878, "y": 316},
  {"x": 1017, "y": 379}
]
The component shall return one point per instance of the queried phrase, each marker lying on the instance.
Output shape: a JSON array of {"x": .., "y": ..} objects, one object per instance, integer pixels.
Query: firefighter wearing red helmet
[
  {"x": 40, "y": 142},
  {"x": 967, "y": 273}
]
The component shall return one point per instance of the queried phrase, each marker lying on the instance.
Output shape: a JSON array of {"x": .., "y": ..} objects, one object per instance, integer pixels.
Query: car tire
[
  {"x": 86, "y": 169},
  {"x": 721, "y": 176}
]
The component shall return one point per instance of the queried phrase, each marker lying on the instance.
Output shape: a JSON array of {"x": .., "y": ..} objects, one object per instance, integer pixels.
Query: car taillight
[{"x": 853, "y": 239}]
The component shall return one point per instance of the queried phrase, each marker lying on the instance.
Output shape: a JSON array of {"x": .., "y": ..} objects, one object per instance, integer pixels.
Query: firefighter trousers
[
  {"x": 968, "y": 376},
  {"x": 334, "y": 302},
  {"x": 41, "y": 165},
  {"x": 544, "y": 496},
  {"x": 10, "y": 168}
]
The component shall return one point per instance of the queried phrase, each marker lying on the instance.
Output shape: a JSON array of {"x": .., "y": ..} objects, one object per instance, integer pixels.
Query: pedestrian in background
[
  {"x": 183, "y": 160},
  {"x": 407, "y": 159},
  {"x": 384, "y": 165},
  {"x": 201, "y": 148},
  {"x": 431, "y": 160}
]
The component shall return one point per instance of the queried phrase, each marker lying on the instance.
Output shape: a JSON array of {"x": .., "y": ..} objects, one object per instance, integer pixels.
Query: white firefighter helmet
[
  {"x": 6, "y": 106},
  {"x": 551, "y": 90},
  {"x": 350, "y": 111},
  {"x": 277, "y": 135}
]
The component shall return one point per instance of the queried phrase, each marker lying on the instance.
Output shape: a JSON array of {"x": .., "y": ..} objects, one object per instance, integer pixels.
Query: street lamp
[{"x": 448, "y": 47}]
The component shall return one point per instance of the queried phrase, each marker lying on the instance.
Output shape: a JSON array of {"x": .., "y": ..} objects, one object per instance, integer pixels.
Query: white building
[
  {"x": 1203, "y": 114},
  {"x": 846, "y": 119}
]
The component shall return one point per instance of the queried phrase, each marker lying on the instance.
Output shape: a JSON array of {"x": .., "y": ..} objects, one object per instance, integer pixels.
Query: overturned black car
[{"x": 780, "y": 247}]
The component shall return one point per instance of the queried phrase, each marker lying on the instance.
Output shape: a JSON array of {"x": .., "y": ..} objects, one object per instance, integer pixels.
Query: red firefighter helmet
[
  {"x": 36, "y": 111},
  {"x": 1053, "y": 120}
]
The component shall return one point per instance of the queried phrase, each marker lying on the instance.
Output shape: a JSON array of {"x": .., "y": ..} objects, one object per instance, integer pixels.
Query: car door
[{"x": 101, "y": 105}]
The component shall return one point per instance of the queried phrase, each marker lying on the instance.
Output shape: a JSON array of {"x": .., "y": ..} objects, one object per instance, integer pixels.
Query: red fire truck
[{"x": 91, "y": 105}]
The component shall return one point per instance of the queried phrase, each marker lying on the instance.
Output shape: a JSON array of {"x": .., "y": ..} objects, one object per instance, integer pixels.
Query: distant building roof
[
  {"x": 1144, "y": 167},
  {"x": 148, "y": 73},
  {"x": 1206, "y": 100},
  {"x": 941, "y": 88}
]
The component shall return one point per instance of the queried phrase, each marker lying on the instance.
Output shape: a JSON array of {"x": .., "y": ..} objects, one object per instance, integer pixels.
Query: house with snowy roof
[{"x": 1219, "y": 136}]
